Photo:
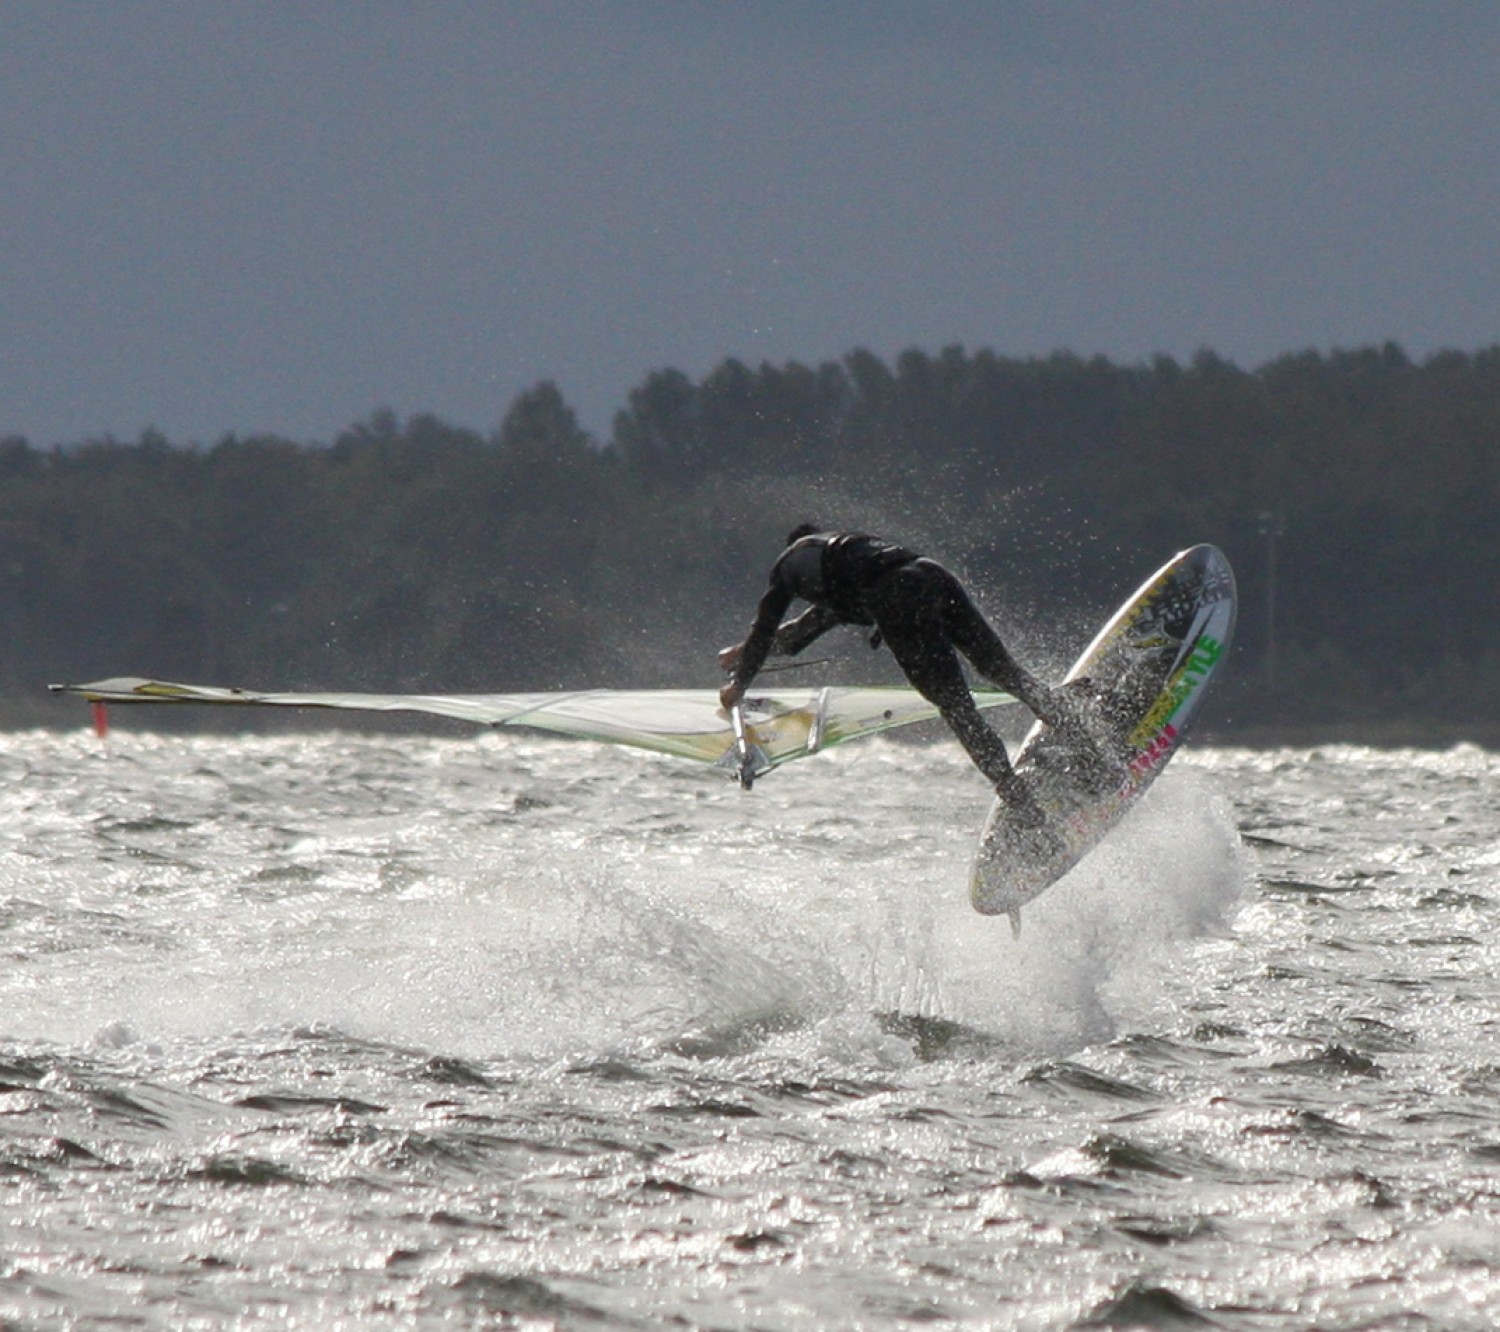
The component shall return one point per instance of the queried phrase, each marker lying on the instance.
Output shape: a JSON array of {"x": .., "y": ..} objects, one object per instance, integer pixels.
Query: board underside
[{"x": 1152, "y": 662}]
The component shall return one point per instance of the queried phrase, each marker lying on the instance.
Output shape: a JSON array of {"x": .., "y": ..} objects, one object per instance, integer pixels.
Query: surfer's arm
[
  {"x": 799, "y": 633},
  {"x": 744, "y": 662}
]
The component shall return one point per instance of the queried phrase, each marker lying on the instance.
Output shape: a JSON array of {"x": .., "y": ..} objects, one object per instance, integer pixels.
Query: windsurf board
[{"x": 1148, "y": 670}]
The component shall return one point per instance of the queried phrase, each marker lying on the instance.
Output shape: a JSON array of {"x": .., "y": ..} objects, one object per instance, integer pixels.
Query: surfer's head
[{"x": 800, "y": 531}]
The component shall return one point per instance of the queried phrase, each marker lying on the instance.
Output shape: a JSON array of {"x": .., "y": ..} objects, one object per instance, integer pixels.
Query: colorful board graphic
[{"x": 1151, "y": 664}]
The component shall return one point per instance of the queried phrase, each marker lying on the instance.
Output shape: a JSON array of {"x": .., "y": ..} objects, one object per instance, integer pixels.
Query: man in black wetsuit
[{"x": 924, "y": 616}]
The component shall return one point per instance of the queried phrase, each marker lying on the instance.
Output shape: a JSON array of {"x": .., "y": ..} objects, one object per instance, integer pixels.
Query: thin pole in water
[{"x": 1272, "y": 527}]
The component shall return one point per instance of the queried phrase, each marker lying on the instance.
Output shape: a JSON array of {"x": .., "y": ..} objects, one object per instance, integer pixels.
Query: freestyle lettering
[
  {"x": 1204, "y": 656},
  {"x": 1206, "y": 653}
]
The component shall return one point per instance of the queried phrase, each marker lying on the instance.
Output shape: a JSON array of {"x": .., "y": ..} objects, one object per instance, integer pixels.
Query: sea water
[{"x": 340, "y": 1031}]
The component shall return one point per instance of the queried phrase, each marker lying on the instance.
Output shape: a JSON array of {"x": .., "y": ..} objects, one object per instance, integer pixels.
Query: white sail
[{"x": 779, "y": 724}]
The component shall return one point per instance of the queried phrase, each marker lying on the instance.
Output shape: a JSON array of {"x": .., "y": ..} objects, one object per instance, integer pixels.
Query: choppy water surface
[{"x": 359, "y": 1032}]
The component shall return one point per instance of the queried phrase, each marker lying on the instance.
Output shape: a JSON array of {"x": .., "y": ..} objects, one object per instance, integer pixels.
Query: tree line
[{"x": 1355, "y": 492}]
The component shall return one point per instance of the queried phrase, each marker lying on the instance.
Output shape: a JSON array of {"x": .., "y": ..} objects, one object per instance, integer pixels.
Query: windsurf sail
[{"x": 778, "y": 724}]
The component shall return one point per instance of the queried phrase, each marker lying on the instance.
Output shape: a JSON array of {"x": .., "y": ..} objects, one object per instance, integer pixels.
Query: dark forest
[{"x": 1355, "y": 492}]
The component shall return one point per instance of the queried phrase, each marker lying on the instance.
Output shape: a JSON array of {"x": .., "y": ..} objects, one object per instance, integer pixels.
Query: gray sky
[{"x": 265, "y": 216}]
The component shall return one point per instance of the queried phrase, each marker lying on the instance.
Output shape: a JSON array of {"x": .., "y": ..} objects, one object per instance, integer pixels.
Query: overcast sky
[{"x": 263, "y": 216}]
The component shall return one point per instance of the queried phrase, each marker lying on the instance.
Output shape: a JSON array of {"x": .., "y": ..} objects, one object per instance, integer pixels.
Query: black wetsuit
[{"x": 922, "y": 613}]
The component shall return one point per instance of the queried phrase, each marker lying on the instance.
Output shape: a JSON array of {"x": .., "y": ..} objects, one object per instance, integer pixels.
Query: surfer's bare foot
[
  {"x": 1096, "y": 711},
  {"x": 1036, "y": 844},
  {"x": 1017, "y": 796},
  {"x": 1096, "y": 775},
  {"x": 1030, "y": 835},
  {"x": 1072, "y": 707},
  {"x": 1078, "y": 710}
]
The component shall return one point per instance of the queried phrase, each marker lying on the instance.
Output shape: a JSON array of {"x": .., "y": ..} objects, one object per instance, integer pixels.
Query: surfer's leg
[
  {"x": 910, "y": 621},
  {"x": 971, "y": 634},
  {"x": 1066, "y": 708},
  {"x": 1062, "y": 707},
  {"x": 987, "y": 751}
]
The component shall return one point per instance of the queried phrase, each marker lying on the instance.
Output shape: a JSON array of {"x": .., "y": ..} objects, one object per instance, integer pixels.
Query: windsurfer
[{"x": 922, "y": 613}]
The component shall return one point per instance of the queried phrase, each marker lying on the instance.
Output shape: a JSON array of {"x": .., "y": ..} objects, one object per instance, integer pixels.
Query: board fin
[{"x": 1015, "y": 923}]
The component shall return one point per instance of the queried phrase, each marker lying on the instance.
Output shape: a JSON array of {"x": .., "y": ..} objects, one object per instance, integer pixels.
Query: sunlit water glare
[{"x": 343, "y": 1031}]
